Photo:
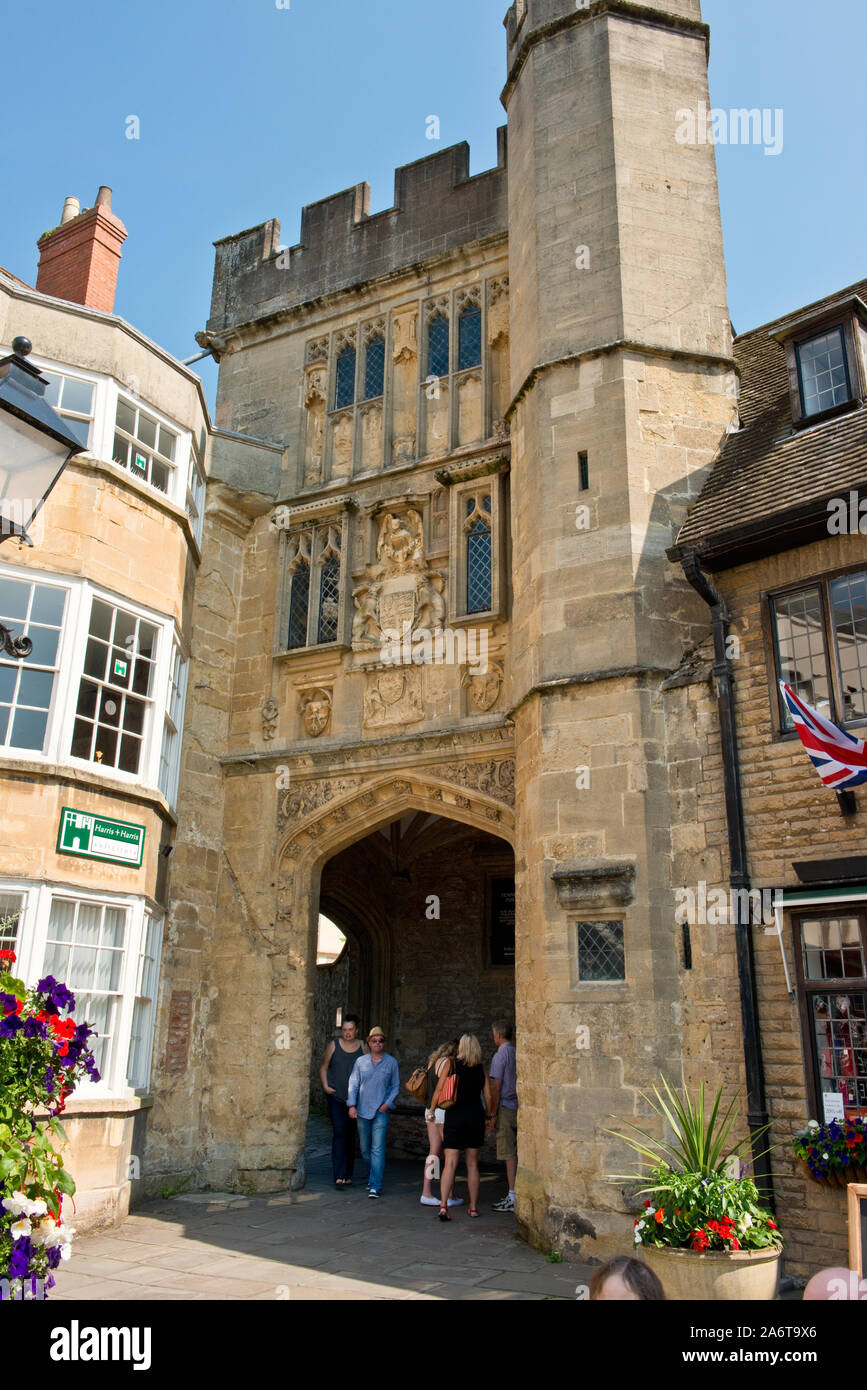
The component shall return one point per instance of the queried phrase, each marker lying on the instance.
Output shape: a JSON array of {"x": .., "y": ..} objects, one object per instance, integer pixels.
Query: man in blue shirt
[{"x": 373, "y": 1089}]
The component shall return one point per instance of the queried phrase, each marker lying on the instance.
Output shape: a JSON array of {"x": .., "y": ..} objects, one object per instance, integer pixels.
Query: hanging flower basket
[
  {"x": 42, "y": 1057},
  {"x": 833, "y": 1154}
]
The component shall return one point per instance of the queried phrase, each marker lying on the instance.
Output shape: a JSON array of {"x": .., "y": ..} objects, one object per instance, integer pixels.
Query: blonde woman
[
  {"x": 435, "y": 1119},
  {"x": 464, "y": 1126}
]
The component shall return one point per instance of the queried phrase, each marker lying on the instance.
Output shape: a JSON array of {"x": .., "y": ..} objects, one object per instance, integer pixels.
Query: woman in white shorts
[{"x": 435, "y": 1120}]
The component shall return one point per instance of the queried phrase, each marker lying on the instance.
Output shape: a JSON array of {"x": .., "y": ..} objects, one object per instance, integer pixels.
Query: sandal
[
  {"x": 444, "y": 1214},
  {"x": 472, "y": 1211},
  {"x": 339, "y": 1182}
]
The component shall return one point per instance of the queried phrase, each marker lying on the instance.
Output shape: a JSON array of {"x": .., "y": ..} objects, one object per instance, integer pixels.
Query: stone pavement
[{"x": 320, "y": 1243}]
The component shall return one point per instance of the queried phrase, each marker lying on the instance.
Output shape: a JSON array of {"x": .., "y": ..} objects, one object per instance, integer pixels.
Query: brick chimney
[{"x": 78, "y": 260}]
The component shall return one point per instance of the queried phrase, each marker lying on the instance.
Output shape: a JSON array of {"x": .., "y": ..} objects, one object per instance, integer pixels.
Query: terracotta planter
[{"x": 715, "y": 1276}]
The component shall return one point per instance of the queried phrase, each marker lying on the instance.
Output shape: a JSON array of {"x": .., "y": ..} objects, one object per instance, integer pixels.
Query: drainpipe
[{"x": 739, "y": 878}]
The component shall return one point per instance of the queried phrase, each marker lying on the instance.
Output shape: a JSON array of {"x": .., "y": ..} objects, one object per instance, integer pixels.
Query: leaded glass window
[
  {"x": 848, "y": 596},
  {"x": 438, "y": 346},
  {"x": 329, "y": 600},
  {"x": 374, "y": 368},
  {"x": 601, "y": 954},
  {"x": 824, "y": 373},
  {"x": 470, "y": 338},
  {"x": 345, "y": 386},
  {"x": 299, "y": 605},
  {"x": 479, "y": 556}
]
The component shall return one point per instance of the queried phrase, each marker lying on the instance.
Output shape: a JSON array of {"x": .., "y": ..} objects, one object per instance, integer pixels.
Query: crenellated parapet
[{"x": 438, "y": 207}]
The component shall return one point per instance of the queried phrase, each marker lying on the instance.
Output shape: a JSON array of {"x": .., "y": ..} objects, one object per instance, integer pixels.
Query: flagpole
[{"x": 778, "y": 931}]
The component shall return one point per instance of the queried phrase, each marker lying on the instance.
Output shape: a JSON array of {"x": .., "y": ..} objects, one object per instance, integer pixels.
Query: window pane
[
  {"x": 470, "y": 338},
  {"x": 840, "y": 1043},
  {"x": 57, "y": 962},
  {"x": 374, "y": 369},
  {"x": 147, "y": 430},
  {"x": 11, "y": 907},
  {"x": 77, "y": 396},
  {"x": 479, "y": 593},
  {"x": 52, "y": 390},
  {"x": 105, "y": 749},
  {"x": 438, "y": 346},
  {"x": 849, "y": 620},
  {"x": 82, "y": 739},
  {"x": 160, "y": 476},
  {"x": 801, "y": 645},
  {"x": 87, "y": 928},
  {"x": 600, "y": 951},
  {"x": 8, "y": 681},
  {"x": 833, "y": 948},
  {"x": 147, "y": 640},
  {"x": 113, "y": 926},
  {"x": 120, "y": 450},
  {"x": 125, "y": 419},
  {"x": 82, "y": 963},
  {"x": 329, "y": 601},
  {"x": 345, "y": 390},
  {"x": 168, "y": 440},
  {"x": 130, "y": 753},
  {"x": 14, "y": 597},
  {"x": 101, "y": 615},
  {"x": 28, "y": 729},
  {"x": 34, "y": 688},
  {"x": 823, "y": 372},
  {"x": 48, "y": 605},
  {"x": 96, "y": 659},
  {"x": 45, "y": 643},
  {"x": 298, "y": 607},
  {"x": 61, "y": 920}
]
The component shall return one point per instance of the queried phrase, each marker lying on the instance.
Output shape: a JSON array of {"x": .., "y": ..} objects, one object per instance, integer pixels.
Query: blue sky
[{"x": 248, "y": 111}]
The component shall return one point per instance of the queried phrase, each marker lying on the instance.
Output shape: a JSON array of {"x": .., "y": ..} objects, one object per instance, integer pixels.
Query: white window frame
[
  {"x": 33, "y": 935},
  {"x": 102, "y": 427},
  {"x": 71, "y": 651},
  {"x": 157, "y": 918},
  {"x": 173, "y": 723}
]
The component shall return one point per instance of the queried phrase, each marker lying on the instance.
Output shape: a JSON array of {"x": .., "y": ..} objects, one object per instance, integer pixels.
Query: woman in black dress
[{"x": 465, "y": 1121}]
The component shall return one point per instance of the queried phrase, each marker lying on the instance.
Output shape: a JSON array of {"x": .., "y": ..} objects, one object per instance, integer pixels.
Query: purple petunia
[
  {"x": 19, "y": 1260},
  {"x": 9, "y": 1027},
  {"x": 8, "y": 1003},
  {"x": 48, "y": 1079},
  {"x": 53, "y": 1256},
  {"x": 57, "y": 995},
  {"x": 34, "y": 1028}
]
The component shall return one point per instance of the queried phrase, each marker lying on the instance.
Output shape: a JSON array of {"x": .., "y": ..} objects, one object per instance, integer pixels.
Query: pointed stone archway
[{"x": 320, "y": 820}]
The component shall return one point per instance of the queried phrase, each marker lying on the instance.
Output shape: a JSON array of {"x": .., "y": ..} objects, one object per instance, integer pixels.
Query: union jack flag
[{"x": 838, "y": 757}]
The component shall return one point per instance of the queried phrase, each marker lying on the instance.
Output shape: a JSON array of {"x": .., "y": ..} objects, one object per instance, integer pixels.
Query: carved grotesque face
[{"x": 316, "y": 713}]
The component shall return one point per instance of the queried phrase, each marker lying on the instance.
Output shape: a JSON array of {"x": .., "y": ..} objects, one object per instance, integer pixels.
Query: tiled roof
[{"x": 769, "y": 469}]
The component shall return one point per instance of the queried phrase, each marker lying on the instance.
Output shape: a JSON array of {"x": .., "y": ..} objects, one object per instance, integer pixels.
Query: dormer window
[
  {"x": 826, "y": 358},
  {"x": 823, "y": 372}
]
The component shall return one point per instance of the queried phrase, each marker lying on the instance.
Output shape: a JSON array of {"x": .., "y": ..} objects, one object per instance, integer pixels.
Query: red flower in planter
[
  {"x": 8, "y": 955},
  {"x": 659, "y": 1216}
]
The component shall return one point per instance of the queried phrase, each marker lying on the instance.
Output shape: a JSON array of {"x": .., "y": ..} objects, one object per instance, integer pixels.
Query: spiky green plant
[{"x": 700, "y": 1138}]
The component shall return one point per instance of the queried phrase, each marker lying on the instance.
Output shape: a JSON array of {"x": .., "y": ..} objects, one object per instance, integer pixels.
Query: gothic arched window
[
  {"x": 470, "y": 337},
  {"x": 438, "y": 346},
  {"x": 479, "y": 573},
  {"x": 374, "y": 368},
  {"x": 344, "y": 393},
  {"x": 299, "y": 604}
]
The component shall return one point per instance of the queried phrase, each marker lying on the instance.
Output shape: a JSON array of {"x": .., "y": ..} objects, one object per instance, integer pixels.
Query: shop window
[
  {"x": 84, "y": 947},
  {"x": 832, "y": 971}
]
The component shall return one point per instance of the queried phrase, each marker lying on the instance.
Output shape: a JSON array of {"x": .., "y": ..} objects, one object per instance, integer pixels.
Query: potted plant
[
  {"x": 833, "y": 1153},
  {"x": 43, "y": 1055},
  {"x": 704, "y": 1231}
]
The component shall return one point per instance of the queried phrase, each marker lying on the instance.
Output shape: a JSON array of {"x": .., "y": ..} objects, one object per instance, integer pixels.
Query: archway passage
[{"x": 427, "y": 906}]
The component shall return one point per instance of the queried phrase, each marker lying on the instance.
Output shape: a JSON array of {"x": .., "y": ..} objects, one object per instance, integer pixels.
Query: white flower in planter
[
  {"x": 16, "y": 1205},
  {"x": 20, "y": 1228}
]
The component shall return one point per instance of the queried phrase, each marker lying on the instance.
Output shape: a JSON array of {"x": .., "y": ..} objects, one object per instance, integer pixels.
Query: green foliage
[
  {"x": 697, "y": 1202},
  {"x": 554, "y": 1258}
]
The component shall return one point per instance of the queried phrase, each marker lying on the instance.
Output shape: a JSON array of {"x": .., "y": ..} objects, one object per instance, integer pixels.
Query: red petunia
[
  {"x": 8, "y": 955},
  {"x": 646, "y": 1205},
  {"x": 771, "y": 1226},
  {"x": 659, "y": 1216}
]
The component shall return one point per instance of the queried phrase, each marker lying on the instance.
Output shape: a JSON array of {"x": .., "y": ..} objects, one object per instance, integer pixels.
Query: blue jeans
[
  {"x": 343, "y": 1141},
  {"x": 372, "y": 1135}
]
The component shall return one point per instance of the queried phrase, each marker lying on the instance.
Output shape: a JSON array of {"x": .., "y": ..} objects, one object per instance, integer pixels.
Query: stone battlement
[{"x": 437, "y": 208}]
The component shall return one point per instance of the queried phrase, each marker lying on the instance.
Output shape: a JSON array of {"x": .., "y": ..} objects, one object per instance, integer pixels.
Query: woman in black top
[
  {"x": 465, "y": 1121},
  {"x": 435, "y": 1120},
  {"x": 334, "y": 1073}
]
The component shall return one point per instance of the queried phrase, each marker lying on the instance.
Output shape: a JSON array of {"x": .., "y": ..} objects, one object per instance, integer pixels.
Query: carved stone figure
[
  {"x": 393, "y": 697},
  {"x": 400, "y": 547},
  {"x": 365, "y": 624},
  {"x": 316, "y": 711},
  {"x": 405, "y": 343},
  {"x": 431, "y": 603},
  {"x": 270, "y": 712},
  {"x": 484, "y": 690}
]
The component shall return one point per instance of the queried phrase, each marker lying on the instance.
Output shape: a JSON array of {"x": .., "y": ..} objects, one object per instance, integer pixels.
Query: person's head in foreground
[
  {"x": 624, "y": 1280},
  {"x": 376, "y": 1041},
  {"x": 469, "y": 1050}
]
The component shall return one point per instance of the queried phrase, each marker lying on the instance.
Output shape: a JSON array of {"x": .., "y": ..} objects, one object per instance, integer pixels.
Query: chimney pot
[
  {"x": 78, "y": 260},
  {"x": 71, "y": 208},
  {"x": 103, "y": 197}
]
